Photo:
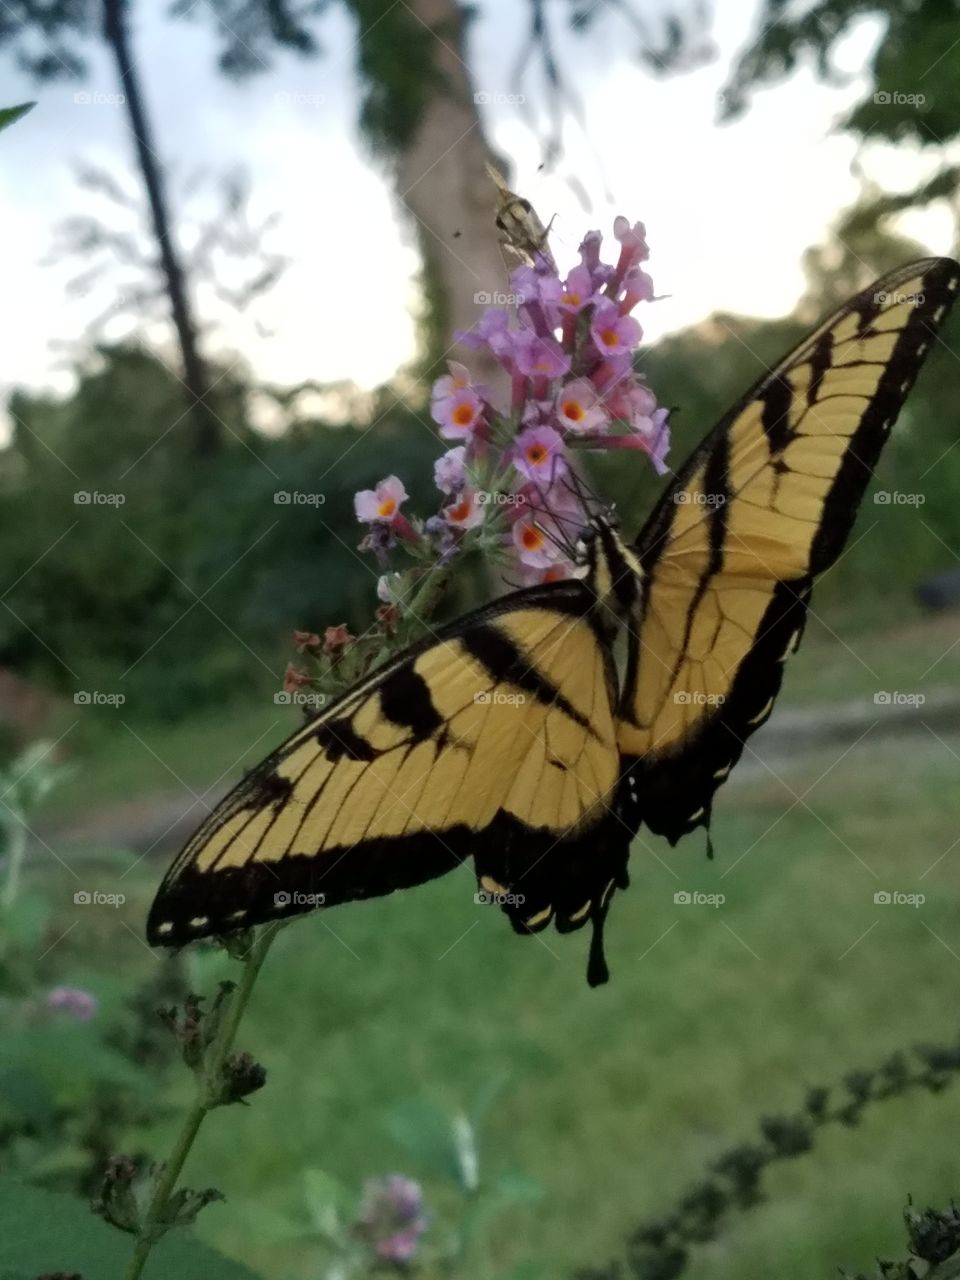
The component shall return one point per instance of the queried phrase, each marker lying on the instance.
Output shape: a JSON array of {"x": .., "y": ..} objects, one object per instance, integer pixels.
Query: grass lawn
[
  {"x": 615, "y": 1099},
  {"x": 116, "y": 757}
]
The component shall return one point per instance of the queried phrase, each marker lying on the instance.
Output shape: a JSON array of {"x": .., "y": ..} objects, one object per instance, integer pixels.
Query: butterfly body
[{"x": 511, "y": 738}]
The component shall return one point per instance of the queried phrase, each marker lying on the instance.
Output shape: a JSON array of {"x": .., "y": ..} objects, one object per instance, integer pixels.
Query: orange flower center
[
  {"x": 609, "y": 338},
  {"x": 553, "y": 574},
  {"x": 572, "y": 299},
  {"x": 387, "y": 507},
  {"x": 531, "y": 538},
  {"x": 463, "y": 415},
  {"x": 573, "y": 410},
  {"x": 460, "y": 511},
  {"x": 537, "y": 454}
]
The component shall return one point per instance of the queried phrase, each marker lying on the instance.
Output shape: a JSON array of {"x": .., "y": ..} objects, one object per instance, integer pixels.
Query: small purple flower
[
  {"x": 382, "y": 504},
  {"x": 491, "y": 330},
  {"x": 538, "y": 356},
  {"x": 466, "y": 511},
  {"x": 539, "y": 455},
  {"x": 613, "y": 333},
  {"x": 391, "y": 1217},
  {"x": 79, "y": 1004},
  {"x": 449, "y": 470},
  {"x": 579, "y": 408},
  {"x": 633, "y": 240},
  {"x": 577, "y": 291},
  {"x": 532, "y": 544}
]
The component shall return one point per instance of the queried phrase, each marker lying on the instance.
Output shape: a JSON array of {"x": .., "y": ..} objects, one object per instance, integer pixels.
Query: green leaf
[
  {"x": 326, "y": 1202},
  {"x": 44, "y": 1231},
  {"x": 424, "y": 1132},
  {"x": 518, "y": 1188},
  {"x": 10, "y": 115}
]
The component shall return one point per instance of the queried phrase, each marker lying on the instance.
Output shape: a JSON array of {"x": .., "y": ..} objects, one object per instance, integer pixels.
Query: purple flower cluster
[
  {"x": 73, "y": 1001},
  {"x": 391, "y": 1217},
  {"x": 568, "y": 348}
]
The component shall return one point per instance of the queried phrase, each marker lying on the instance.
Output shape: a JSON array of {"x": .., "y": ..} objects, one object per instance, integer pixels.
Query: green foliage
[
  {"x": 463, "y": 1211},
  {"x": 45, "y": 1232},
  {"x": 913, "y": 92},
  {"x": 9, "y": 115},
  {"x": 174, "y": 583}
]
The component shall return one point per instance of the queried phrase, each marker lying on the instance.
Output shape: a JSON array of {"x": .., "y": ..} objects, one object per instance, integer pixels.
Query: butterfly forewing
[{"x": 764, "y": 505}]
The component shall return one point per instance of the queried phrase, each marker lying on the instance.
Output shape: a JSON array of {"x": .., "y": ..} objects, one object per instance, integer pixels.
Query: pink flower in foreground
[
  {"x": 539, "y": 454},
  {"x": 613, "y": 333},
  {"x": 466, "y": 512},
  {"x": 533, "y": 546},
  {"x": 382, "y": 504},
  {"x": 577, "y": 291},
  {"x": 579, "y": 408},
  {"x": 455, "y": 405}
]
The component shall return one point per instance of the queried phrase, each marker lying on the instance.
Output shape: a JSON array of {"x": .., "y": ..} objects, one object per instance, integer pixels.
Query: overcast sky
[{"x": 728, "y": 210}]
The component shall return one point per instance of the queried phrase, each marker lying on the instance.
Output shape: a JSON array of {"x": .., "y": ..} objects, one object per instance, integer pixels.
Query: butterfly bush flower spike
[{"x": 567, "y": 344}]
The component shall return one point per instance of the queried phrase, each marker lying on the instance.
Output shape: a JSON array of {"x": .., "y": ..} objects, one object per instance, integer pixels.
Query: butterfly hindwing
[
  {"x": 731, "y": 551},
  {"x": 493, "y": 739}
]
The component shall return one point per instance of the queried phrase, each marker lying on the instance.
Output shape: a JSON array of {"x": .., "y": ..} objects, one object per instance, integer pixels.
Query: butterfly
[{"x": 513, "y": 737}]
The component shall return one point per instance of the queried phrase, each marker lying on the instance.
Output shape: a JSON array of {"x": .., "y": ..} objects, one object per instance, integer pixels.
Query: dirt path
[{"x": 159, "y": 822}]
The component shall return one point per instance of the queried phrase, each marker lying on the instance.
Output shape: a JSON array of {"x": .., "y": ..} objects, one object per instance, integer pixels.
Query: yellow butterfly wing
[
  {"x": 493, "y": 740},
  {"x": 732, "y": 549}
]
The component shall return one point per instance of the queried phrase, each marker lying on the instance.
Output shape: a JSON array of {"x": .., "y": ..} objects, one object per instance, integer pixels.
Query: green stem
[{"x": 207, "y": 1097}]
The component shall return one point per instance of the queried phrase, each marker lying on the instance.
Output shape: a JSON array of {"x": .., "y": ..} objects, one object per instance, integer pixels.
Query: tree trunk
[
  {"x": 207, "y": 427},
  {"x": 442, "y": 181}
]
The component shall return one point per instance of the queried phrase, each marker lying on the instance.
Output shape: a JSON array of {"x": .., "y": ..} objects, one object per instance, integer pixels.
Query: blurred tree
[
  {"x": 913, "y": 89},
  {"x": 46, "y": 36},
  {"x": 421, "y": 114},
  {"x": 228, "y": 260}
]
